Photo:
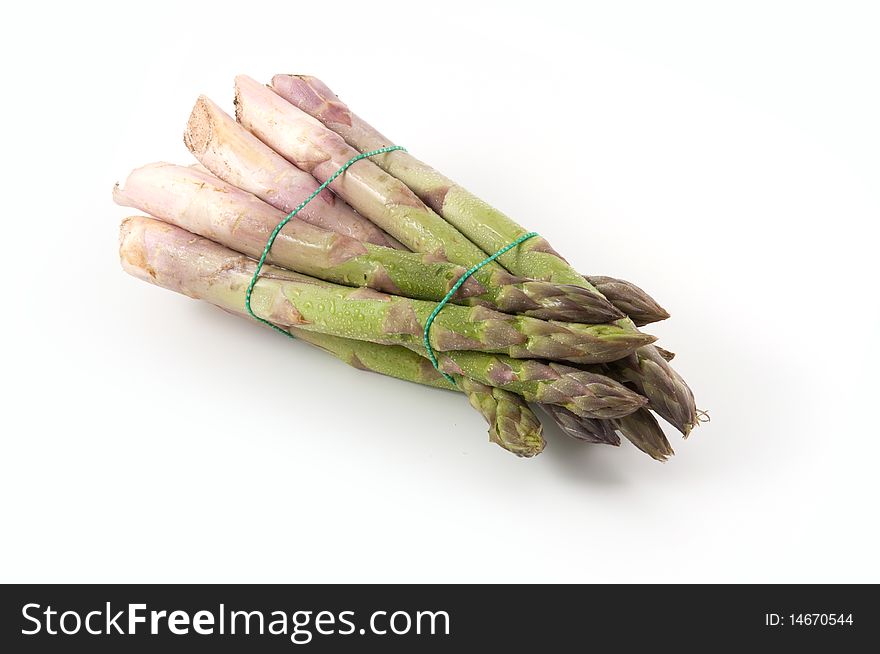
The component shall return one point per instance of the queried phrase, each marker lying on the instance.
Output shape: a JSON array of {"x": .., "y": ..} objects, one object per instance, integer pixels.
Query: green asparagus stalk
[
  {"x": 485, "y": 226},
  {"x": 205, "y": 205},
  {"x": 388, "y": 202},
  {"x": 630, "y": 299},
  {"x": 513, "y": 425},
  {"x": 388, "y": 360},
  {"x": 238, "y": 157},
  {"x": 175, "y": 259},
  {"x": 589, "y": 430},
  {"x": 489, "y": 229},
  {"x": 288, "y": 298},
  {"x": 519, "y": 433}
]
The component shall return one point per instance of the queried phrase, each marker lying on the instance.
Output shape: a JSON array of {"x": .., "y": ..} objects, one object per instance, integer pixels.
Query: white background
[{"x": 722, "y": 155}]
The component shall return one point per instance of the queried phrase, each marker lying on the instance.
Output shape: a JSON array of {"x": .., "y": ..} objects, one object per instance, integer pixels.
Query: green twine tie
[
  {"x": 348, "y": 164},
  {"x": 448, "y": 297},
  {"x": 437, "y": 309}
]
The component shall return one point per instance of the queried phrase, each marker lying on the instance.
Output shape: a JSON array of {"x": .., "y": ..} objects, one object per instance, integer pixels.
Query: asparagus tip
[
  {"x": 701, "y": 417},
  {"x": 642, "y": 430},
  {"x": 525, "y": 445}
]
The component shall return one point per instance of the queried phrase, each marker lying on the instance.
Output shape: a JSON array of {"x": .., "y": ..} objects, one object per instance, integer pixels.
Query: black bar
[{"x": 511, "y": 617}]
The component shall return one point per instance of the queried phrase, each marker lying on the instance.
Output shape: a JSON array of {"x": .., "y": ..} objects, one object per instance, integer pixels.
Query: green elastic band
[
  {"x": 440, "y": 305},
  {"x": 348, "y": 164},
  {"x": 452, "y": 291}
]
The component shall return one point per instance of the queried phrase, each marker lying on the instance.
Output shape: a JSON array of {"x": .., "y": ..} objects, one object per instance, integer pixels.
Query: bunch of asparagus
[{"x": 360, "y": 268}]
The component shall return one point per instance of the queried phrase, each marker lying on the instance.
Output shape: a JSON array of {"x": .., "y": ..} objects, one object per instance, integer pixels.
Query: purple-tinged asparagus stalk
[
  {"x": 589, "y": 430},
  {"x": 389, "y": 203},
  {"x": 639, "y": 427},
  {"x": 238, "y": 157},
  {"x": 205, "y": 205},
  {"x": 643, "y": 431},
  {"x": 487, "y": 227},
  {"x": 173, "y": 258},
  {"x": 666, "y": 354},
  {"x": 649, "y": 372},
  {"x": 630, "y": 299},
  {"x": 584, "y": 393}
]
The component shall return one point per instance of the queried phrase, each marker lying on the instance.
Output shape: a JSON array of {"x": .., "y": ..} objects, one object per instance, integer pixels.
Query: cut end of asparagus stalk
[
  {"x": 206, "y": 205},
  {"x": 642, "y": 430},
  {"x": 630, "y": 299},
  {"x": 199, "y": 132},
  {"x": 238, "y": 157}
]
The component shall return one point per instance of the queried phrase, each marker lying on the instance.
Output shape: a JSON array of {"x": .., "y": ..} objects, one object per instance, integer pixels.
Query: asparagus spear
[
  {"x": 205, "y": 205},
  {"x": 520, "y": 433},
  {"x": 585, "y": 393},
  {"x": 387, "y": 201},
  {"x": 238, "y": 157},
  {"x": 642, "y": 430},
  {"x": 175, "y": 259},
  {"x": 487, "y": 227},
  {"x": 288, "y": 298},
  {"x": 513, "y": 425},
  {"x": 649, "y": 371},
  {"x": 639, "y": 427},
  {"x": 389, "y": 360},
  {"x": 199, "y": 202},
  {"x": 589, "y": 430},
  {"x": 666, "y": 354},
  {"x": 630, "y": 299}
]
